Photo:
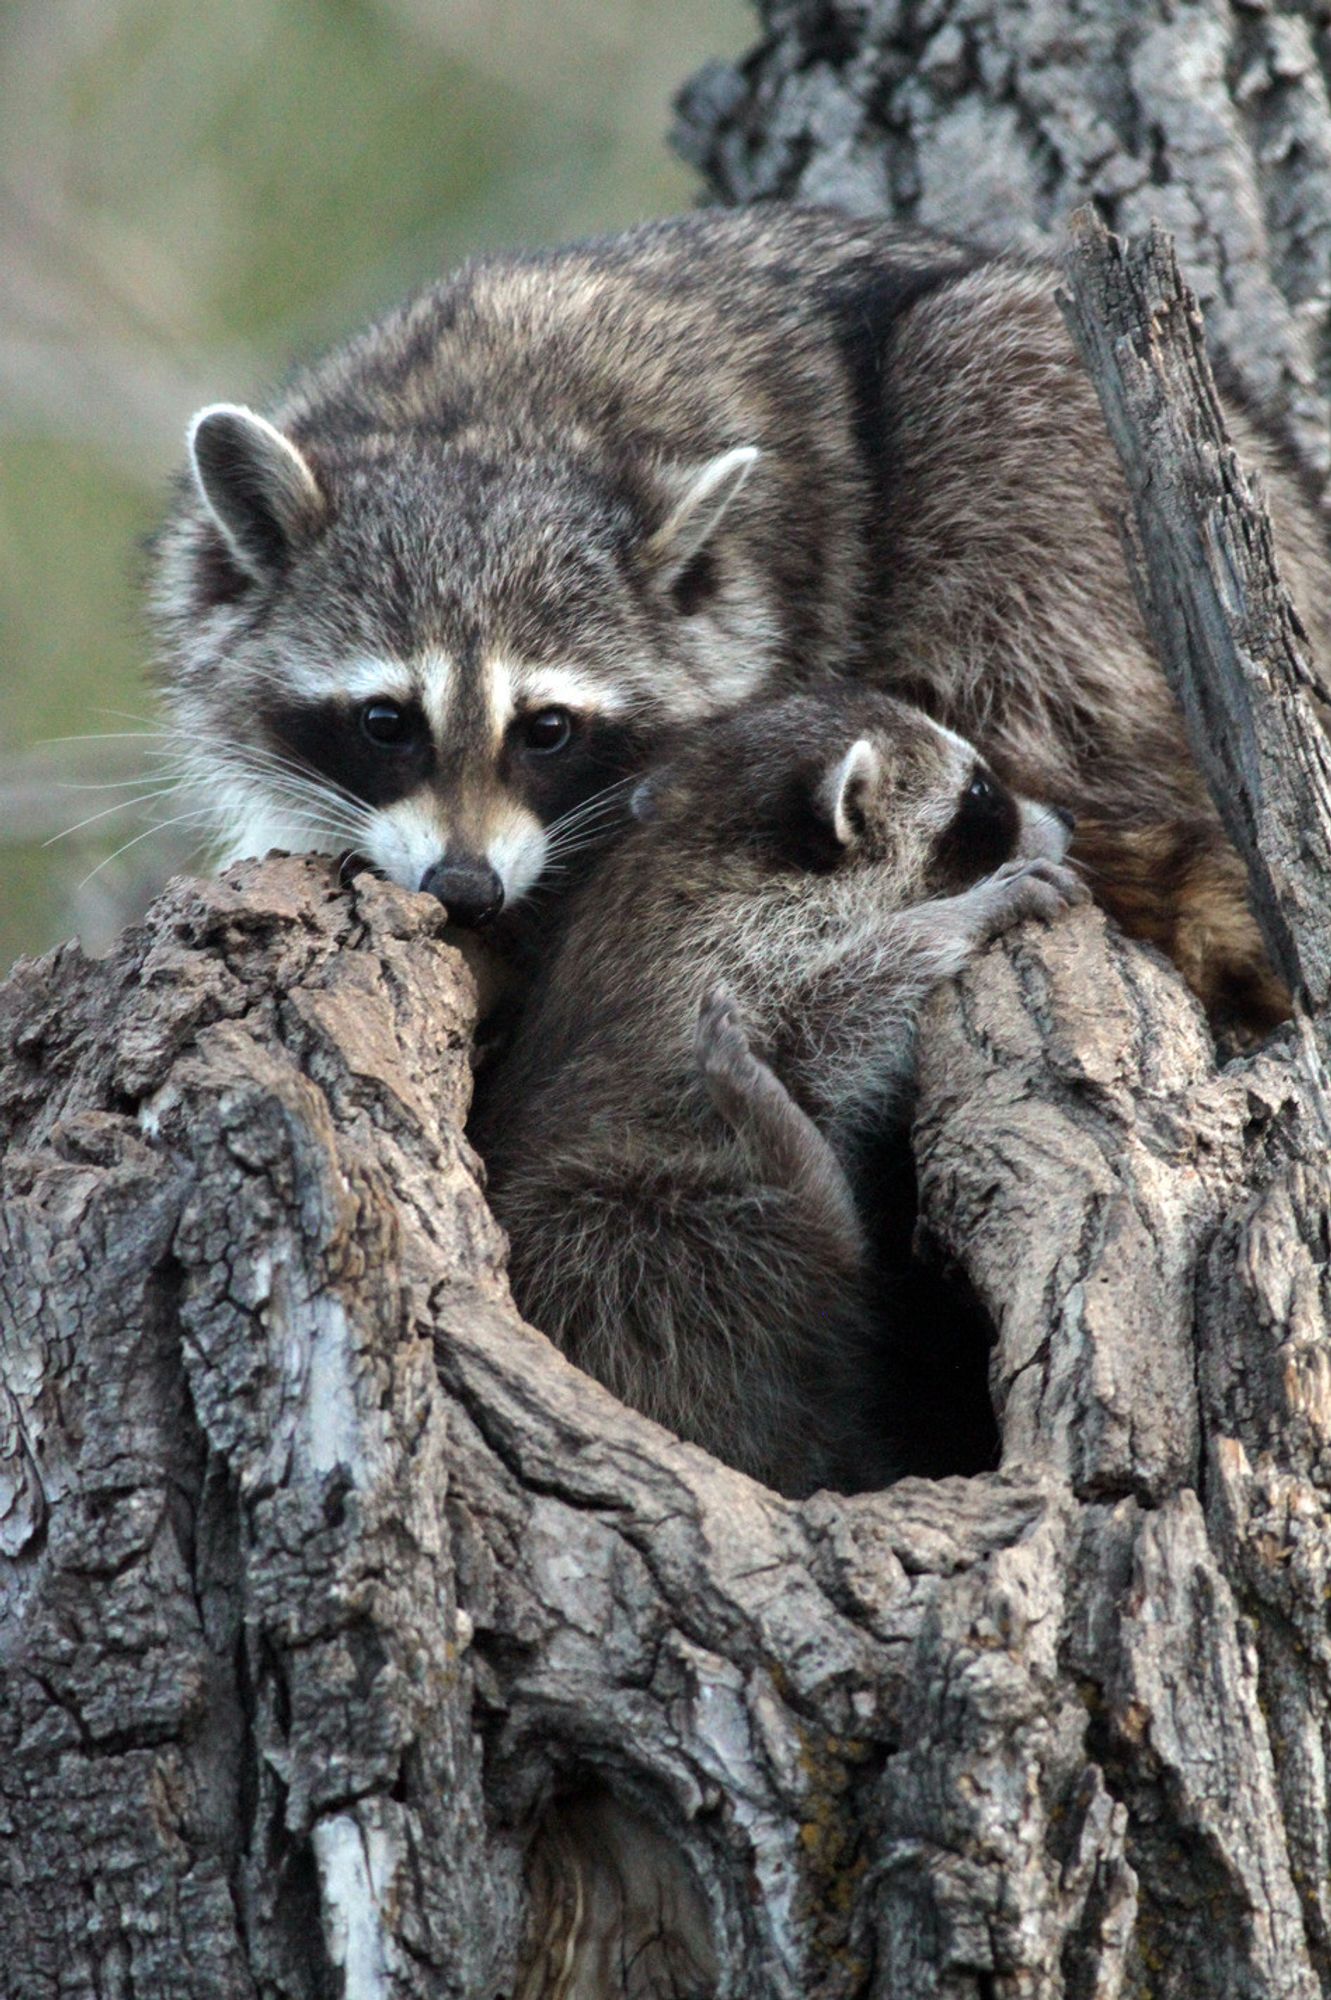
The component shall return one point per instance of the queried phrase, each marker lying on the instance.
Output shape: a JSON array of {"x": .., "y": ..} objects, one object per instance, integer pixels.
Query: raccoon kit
[
  {"x": 451, "y": 588},
  {"x": 731, "y": 1006}
]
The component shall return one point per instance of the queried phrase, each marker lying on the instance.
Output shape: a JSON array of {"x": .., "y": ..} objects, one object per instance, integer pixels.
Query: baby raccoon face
[
  {"x": 441, "y": 657},
  {"x": 860, "y": 788},
  {"x": 917, "y": 799}
]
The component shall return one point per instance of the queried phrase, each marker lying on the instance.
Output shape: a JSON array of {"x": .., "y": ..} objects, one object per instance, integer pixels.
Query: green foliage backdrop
[{"x": 191, "y": 198}]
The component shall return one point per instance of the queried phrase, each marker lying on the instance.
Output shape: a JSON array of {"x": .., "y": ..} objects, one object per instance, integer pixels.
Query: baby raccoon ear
[
  {"x": 644, "y": 799},
  {"x": 255, "y": 484},
  {"x": 841, "y": 795},
  {"x": 703, "y": 498}
]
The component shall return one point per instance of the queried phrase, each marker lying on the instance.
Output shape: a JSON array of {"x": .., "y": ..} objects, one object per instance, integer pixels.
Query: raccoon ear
[
  {"x": 839, "y": 798},
  {"x": 707, "y": 493},
  {"x": 643, "y": 801},
  {"x": 254, "y": 483}
]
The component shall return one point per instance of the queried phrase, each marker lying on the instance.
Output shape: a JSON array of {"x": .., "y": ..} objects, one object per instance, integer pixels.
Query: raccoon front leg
[
  {"x": 1036, "y": 887},
  {"x": 786, "y": 1147},
  {"x": 852, "y": 1047},
  {"x": 890, "y": 973}
]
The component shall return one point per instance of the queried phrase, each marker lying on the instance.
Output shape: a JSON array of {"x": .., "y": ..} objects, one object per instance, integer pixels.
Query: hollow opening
[
  {"x": 928, "y": 1394},
  {"x": 613, "y": 1905}
]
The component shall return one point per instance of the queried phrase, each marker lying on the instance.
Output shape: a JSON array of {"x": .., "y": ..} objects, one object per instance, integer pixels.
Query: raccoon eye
[
  {"x": 386, "y": 723},
  {"x": 980, "y": 789},
  {"x": 546, "y": 730}
]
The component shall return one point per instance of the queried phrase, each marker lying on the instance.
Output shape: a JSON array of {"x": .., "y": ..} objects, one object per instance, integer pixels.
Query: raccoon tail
[{"x": 1178, "y": 884}]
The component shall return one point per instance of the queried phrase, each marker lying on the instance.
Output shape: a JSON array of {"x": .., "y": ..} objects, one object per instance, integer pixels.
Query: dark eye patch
[
  {"x": 982, "y": 833},
  {"x": 598, "y": 753},
  {"x": 327, "y": 738}
]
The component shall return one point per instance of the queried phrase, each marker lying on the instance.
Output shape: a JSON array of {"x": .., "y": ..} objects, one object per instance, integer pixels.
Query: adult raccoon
[
  {"x": 674, "y": 1135},
  {"x": 452, "y": 587}
]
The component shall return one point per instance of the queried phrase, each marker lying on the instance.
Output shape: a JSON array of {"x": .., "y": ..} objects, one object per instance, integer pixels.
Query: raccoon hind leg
[{"x": 784, "y": 1144}]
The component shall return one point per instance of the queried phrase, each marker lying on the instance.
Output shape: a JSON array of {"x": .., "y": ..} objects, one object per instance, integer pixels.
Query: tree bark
[{"x": 351, "y": 1642}]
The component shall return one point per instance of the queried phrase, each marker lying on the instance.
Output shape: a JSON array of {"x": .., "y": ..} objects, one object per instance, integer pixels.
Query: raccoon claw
[{"x": 1036, "y": 888}]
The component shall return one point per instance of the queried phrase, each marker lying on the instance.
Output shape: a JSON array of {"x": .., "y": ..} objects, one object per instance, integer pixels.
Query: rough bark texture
[
  {"x": 352, "y": 1643},
  {"x": 1229, "y": 638},
  {"x": 318, "y": 1661}
]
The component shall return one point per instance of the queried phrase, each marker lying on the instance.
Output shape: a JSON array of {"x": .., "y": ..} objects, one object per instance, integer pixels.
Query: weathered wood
[
  {"x": 227, "y": 1620},
  {"x": 1228, "y": 636},
  {"x": 471, "y": 1681}
]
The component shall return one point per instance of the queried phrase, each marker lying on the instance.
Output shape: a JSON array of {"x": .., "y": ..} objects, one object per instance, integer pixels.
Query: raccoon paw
[
  {"x": 1032, "y": 888},
  {"x": 720, "y": 1042}
]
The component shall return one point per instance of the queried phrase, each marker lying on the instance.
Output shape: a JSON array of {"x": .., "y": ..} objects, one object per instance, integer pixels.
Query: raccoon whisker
[
  {"x": 260, "y": 757},
  {"x": 288, "y": 791},
  {"x": 325, "y": 821},
  {"x": 606, "y": 800},
  {"x": 201, "y": 777},
  {"x": 158, "y": 826},
  {"x": 124, "y": 715},
  {"x": 338, "y": 833},
  {"x": 611, "y": 791},
  {"x": 114, "y": 736},
  {"x": 541, "y": 890},
  {"x": 199, "y": 765},
  {"x": 559, "y": 850},
  {"x": 584, "y": 829},
  {"x": 590, "y": 811},
  {"x": 268, "y": 766},
  {"x": 579, "y": 838},
  {"x": 313, "y": 821},
  {"x": 591, "y": 828},
  {"x": 180, "y": 760},
  {"x": 109, "y": 784},
  {"x": 143, "y": 798},
  {"x": 335, "y": 834},
  {"x": 607, "y": 812},
  {"x": 335, "y": 806},
  {"x": 278, "y": 778},
  {"x": 167, "y": 742}
]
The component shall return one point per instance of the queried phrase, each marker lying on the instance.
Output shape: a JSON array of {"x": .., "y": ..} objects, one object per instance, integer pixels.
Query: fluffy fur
[
  {"x": 636, "y": 480},
  {"x": 672, "y": 1138}
]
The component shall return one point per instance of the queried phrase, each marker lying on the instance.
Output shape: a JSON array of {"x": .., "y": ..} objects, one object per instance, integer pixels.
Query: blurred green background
[{"x": 190, "y": 198}]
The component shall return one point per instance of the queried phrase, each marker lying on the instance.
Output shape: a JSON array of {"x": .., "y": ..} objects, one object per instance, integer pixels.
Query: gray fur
[
  {"x": 732, "y": 1005},
  {"x": 503, "y": 468}
]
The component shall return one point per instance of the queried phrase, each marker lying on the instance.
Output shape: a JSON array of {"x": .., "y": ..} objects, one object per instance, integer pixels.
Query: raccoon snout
[
  {"x": 1045, "y": 830},
  {"x": 471, "y": 890}
]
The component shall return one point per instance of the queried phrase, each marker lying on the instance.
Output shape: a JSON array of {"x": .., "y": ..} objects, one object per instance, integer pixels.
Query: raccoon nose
[
  {"x": 1069, "y": 819},
  {"x": 471, "y": 890}
]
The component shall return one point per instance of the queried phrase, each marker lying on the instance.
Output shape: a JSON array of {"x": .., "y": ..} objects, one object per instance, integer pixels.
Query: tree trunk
[{"x": 352, "y": 1643}]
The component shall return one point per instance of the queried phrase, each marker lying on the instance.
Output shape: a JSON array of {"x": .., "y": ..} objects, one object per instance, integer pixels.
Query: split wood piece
[{"x": 1227, "y": 635}]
